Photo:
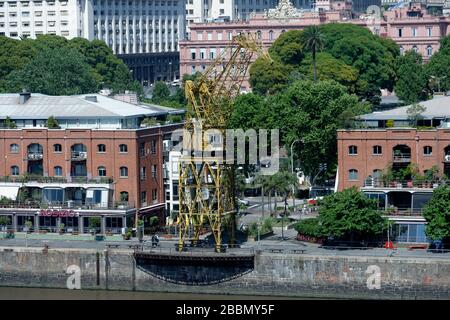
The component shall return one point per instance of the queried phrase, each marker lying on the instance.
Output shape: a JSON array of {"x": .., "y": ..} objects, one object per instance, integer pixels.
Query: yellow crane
[{"x": 206, "y": 183}]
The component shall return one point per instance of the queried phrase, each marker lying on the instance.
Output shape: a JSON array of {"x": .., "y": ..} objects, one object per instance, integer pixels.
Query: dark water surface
[{"x": 14, "y": 293}]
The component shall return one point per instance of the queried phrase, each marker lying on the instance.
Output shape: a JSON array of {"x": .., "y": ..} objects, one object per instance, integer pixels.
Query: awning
[{"x": 9, "y": 192}]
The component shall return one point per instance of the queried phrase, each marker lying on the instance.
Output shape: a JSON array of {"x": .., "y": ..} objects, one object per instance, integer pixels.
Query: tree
[
  {"x": 309, "y": 227},
  {"x": 414, "y": 113},
  {"x": 161, "y": 92},
  {"x": 437, "y": 214},
  {"x": 58, "y": 71},
  {"x": 4, "y": 221},
  {"x": 10, "y": 124},
  {"x": 411, "y": 84},
  {"x": 330, "y": 68},
  {"x": 313, "y": 40},
  {"x": 268, "y": 78},
  {"x": 104, "y": 67},
  {"x": 369, "y": 57},
  {"x": 350, "y": 214},
  {"x": 437, "y": 70},
  {"x": 52, "y": 123}
]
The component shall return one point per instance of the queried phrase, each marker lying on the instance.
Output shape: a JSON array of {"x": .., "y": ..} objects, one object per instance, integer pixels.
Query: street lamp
[
  {"x": 292, "y": 168},
  {"x": 438, "y": 81}
]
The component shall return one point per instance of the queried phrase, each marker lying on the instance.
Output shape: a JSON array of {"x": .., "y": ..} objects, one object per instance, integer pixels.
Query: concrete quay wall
[{"x": 299, "y": 275}]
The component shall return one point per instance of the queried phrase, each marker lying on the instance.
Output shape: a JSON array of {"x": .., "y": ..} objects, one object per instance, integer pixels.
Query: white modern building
[
  {"x": 229, "y": 10},
  {"x": 145, "y": 33}
]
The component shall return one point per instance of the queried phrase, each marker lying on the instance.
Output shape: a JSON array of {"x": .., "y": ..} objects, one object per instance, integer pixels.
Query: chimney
[
  {"x": 24, "y": 96},
  {"x": 91, "y": 98}
]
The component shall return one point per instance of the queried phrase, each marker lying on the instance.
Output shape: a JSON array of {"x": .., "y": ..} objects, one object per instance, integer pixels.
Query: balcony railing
[
  {"x": 35, "y": 155},
  {"x": 79, "y": 155},
  {"x": 394, "y": 211},
  {"x": 70, "y": 204},
  {"x": 404, "y": 157},
  {"x": 397, "y": 184},
  {"x": 42, "y": 179}
]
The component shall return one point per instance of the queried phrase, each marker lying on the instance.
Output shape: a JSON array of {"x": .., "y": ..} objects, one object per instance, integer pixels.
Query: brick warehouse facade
[
  {"x": 398, "y": 164},
  {"x": 85, "y": 168}
]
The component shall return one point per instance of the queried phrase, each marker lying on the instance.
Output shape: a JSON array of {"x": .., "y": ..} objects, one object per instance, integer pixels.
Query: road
[{"x": 267, "y": 245}]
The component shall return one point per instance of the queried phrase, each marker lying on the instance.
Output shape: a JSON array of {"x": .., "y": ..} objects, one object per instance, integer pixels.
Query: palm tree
[{"x": 313, "y": 41}]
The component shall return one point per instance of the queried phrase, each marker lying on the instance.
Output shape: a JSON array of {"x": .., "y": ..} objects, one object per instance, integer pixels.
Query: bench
[
  {"x": 299, "y": 250},
  {"x": 276, "y": 250},
  {"x": 418, "y": 246}
]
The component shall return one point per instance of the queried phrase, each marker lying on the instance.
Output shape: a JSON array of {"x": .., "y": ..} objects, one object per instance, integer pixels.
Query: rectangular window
[
  {"x": 154, "y": 171},
  {"x": 153, "y": 146},
  {"x": 219, "y": 36},
  {"x": 143, "y": 198},
  {"x": 429, "y": 31},
  {"x": 38, "y": 23},
  {"x": 154, "y": 196},
  {"x": 199, "y": 35},
  {"x": 38, "y": 13},
  {"x": 143, "y": 173},
  {"x": 414, "y": 32},
  {"x": 51, "y": 13},
  {"x": 400, "y": 32}
]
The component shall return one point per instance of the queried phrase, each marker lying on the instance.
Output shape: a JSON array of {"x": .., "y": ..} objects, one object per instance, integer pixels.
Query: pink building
[{"x": 411, "y": 27}]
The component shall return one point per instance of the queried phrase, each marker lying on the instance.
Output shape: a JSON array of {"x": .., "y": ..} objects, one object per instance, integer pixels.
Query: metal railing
[
  {"x": 42, "y": 179},
  {"x": 399, "y": 184},
  {"x": 35, "y": 155},
  {"x": 70, "y": 204},
  {"x": 79, "y": 155},
  {"x": 395, "y": 211},
  {"x": 404, "y": 157}
]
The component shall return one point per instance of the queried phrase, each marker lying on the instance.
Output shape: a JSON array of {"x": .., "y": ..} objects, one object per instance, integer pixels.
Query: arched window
[
  {"x": 352, "y": 174},
  {"x": 101, "y": 171},
  {"x": 270, "y": 35},
  {"x": 377, "y": 173},
  {"x": 57, "y": 171},
  {"x": 429, "y": 51},
  {"x": 15, "y": 171},
  {"x": 101, "y": 148},
  {"x": 414, "y": 48},
  {"x": 258, "y": 34},
  {"x": 353, "y": 150},
  {"x": 377, "y": 150},
  {"x": 123, "y": 172},
  {"x": 402, "y": 50},
  {"x": 123, "y": 148},
  {"x": 57, "y": 147},
  {"x": 14, "y": 148},
  {"x": 124, "y": 196},
  {"x": 427, "y": 151}
]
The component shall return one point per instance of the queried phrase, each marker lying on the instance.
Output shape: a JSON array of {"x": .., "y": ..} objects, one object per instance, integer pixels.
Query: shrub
[{"x": 309, "y": 227}]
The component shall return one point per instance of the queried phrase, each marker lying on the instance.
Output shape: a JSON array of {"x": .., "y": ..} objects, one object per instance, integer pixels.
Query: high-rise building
[{"x": 145, "y": 32}]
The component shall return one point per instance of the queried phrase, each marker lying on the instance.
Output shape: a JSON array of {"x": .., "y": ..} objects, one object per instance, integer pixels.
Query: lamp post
[
  {"x": 438, "y": 81},
  {"x": 292, "y": 168}
]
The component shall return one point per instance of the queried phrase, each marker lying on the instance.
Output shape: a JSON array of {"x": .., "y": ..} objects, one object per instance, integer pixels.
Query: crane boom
[{"x": 206, "y": 185}]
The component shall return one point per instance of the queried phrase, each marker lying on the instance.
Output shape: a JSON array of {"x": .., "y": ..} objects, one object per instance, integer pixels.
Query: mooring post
[{"x": 106, "y": 267}]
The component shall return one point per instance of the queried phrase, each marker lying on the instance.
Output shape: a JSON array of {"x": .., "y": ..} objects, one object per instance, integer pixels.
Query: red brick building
[
  {"x": 101, "y": 161},
  {"x": 397, "y": 163}
]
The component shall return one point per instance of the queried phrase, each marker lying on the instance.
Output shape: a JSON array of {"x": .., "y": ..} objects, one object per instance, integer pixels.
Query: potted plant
[
  {"x": 61, "y": 228},
  {"x": 4, "y": 221},
  {"x": 127, "y": 235},
  {"x": 28, "y": 225},
  {"x": 140, "y": 230},
  {"x": 94, "y": 224}
]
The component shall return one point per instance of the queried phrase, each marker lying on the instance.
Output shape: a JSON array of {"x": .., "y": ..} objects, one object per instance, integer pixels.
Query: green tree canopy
[
  {"x": 371, "y": 57},
  {"x": 412, "y": 82},
  {"x": 439, "y": 67},
  {"x": 161, "y": 92},
  {"x": 105, "y": 69},
  {"x": 305, "y": 110},
  {"x": 350, "y": 214},
  {"x": 437, "y": 214},
  {"x": 58, "y": 71}
]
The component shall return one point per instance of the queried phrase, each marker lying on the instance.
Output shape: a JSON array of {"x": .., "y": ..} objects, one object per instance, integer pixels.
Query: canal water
[{"x": 10, "y": 293}]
